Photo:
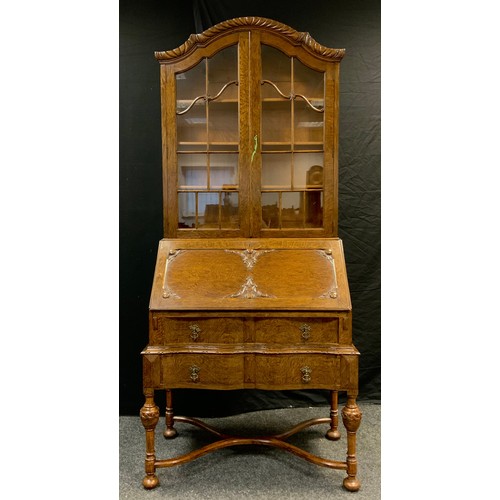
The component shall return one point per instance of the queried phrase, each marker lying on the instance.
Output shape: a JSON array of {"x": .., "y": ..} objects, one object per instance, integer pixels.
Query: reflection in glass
[
  {"x": 187, "y": 210},
  {"x": 276, "y": 123},
  {"x": 314, "y": 208},
  {"x": 222, "y": 69},
  {"x": 308, "y": 170},
  {"x": 192, "y": 171},
  {"x": 277, "y": 171},
  {"x": 292, "y": 210},
  {"x": 223, "y": 123},
  {"x": 192, "y": 128},
  {"x": 308, "y": 126},
  {"x": 223, "y": 171},
  {"x": 276, "y": 67},
  {"x": 229, "y": 210},
  {"x": 190, "y": 84},
  {"x": 208, "y": 210},
  {"x": 308, "y": 82},
  {"x": 270, "y": 210}
]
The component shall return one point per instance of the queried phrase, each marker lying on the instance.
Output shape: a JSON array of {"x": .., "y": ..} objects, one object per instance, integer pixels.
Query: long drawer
[
  {"x": 165, "y": 329},
  {"x": 247, "y": 370}
]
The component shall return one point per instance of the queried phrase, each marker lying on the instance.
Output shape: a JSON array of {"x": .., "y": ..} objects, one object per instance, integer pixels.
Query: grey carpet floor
[{"x": 252, "y": 471}]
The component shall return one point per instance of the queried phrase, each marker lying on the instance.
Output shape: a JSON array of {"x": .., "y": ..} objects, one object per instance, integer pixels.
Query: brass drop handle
[
  {"x": 194, "y": 371},
  {"x": 306, "y": 331},
  {"x": 195, "y": 331},
  {"x": 306, "y": 374}
]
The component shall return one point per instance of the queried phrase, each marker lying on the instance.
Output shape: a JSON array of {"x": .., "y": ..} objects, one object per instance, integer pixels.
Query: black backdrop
[{"x": 149, "y": 25}]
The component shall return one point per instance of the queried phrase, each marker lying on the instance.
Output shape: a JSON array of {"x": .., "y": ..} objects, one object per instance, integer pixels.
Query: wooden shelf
[
  {"x": 286, "y": 147},
  {"x": 288, "y": 189},
  {"x": 204, "y": 147},
  {"x": 213, "y": 143}
]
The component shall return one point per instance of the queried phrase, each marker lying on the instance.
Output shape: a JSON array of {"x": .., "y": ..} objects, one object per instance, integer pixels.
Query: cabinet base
[{"x": 351, "y": 419}]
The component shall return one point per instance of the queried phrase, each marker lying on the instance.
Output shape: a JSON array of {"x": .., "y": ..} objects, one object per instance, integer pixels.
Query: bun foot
[
  {"x": 150, "y": 481},
  {"x": 169, "y": 433},
  {"x": 351, "y": 484},
  {"x": 333, "y": 435}
]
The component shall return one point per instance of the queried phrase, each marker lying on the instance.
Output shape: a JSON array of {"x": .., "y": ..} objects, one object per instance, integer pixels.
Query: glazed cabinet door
[
  {"x": 294, "y": 134},
  {"x": 250, "y": 140},
  {"x": 205, "y": 136}
]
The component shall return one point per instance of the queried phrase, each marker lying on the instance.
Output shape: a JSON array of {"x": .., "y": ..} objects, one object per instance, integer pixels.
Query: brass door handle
[
  {"x": 195, "y": 331},
  {"x": 194, "y": 373},
  {"x": 306, "y": 374},
  {"x": 306, "y": 331}
]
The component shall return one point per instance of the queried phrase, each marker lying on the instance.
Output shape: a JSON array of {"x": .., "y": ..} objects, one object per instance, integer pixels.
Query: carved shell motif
[{"x": 239, "y": 23}]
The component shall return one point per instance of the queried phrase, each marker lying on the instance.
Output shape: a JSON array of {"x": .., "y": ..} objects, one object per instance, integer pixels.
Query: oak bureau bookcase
[{"x": 250, "y": 288}]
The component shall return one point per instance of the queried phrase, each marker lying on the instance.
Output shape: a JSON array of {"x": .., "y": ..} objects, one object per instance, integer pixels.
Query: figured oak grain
[{"x": 249, "y": 307}]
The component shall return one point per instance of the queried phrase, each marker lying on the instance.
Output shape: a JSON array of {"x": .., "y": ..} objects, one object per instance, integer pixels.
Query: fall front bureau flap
[{"x": 236, "y": 274}]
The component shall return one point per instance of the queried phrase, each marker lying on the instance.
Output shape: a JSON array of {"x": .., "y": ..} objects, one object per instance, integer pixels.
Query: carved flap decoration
[
  {"x": 213, "y": 272},
  {"x": 239, "y": 276}
]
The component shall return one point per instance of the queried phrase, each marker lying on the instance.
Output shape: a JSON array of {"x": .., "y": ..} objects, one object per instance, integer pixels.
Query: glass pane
[
  {"x": 276, "y": 67},
  {"x": 277, "y": 171},
  {"x": 308, "y": 170},
  {"x": 222, "y": 69},
  {"x": 270, "y": 210},
  {"x": 314, "y": 208},
  {"x": 308, "y": 126},
  {"x": 229, "y": 210},
  {"x": 192, "y": 171},
  {"x": 187, "y": 210},
  {"x": 276, "y": 124},
  {"x": 190, "y": 84},
  {"x": 223, "y": 123},
  {"x": 208, "y": 210},
  {"x": 223, "y": 171},
  {"x": 223, "y": 111},
  {"x": 192, "y": 128},
  {"x": 292, "y": 210},
  {"x": 308, "y": 82}
]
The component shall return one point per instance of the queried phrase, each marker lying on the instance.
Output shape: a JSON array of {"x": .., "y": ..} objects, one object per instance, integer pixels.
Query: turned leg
[
  {"x": 333, "y": 433},
  {"x": 169, "y": 432},
  {"x": 150, "y": 414},
  {"x": 351, "y": 417}
]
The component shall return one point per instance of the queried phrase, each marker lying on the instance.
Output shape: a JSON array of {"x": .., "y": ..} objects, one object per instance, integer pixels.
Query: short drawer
[
  {"x": 167, "y": 330},
  {"x": 281, "y": 371},
  {"x": 293, "y": 331},
  {"x": 203, "y": 371}
]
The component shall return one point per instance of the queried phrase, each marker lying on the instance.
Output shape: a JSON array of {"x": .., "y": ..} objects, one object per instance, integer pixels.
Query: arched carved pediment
[{"x": 242, "y": 23}]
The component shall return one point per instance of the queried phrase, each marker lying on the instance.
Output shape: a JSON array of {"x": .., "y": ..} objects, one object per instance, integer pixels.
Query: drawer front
[
  {"x": 294, "y": 331},
  {"x": 200, "y": 371},
  {"x": 200, "y": 330},
  {"x": 312, "y": 371}
]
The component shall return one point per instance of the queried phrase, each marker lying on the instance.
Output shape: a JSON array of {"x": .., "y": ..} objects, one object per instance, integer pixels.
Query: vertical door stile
[
  {"x": 169, "y": 149},
  {"x": 244, "y": 123},
  {"x": 255, "y": 137},
  {"x": 331, "y": 149}
]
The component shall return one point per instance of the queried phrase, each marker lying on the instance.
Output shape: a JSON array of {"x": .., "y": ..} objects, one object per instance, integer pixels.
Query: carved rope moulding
[{"x": 295, "y": 37}]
